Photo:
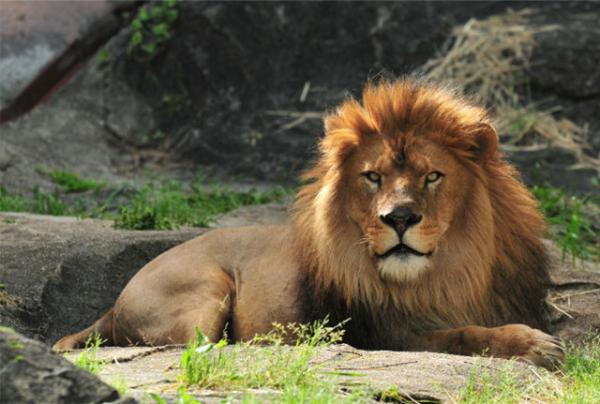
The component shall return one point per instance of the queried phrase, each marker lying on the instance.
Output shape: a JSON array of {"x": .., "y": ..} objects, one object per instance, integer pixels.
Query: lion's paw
[{"x": 529, "y": 345}]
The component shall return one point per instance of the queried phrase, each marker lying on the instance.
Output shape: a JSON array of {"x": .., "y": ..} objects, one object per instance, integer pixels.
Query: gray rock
[
  {"x": 566, "y": 59},
  {"x": 31, "y": 34},
  {"x": 31, "y": 373},
  {"x": 61, "y": 273},
  {"x": 226, "y": 91}
]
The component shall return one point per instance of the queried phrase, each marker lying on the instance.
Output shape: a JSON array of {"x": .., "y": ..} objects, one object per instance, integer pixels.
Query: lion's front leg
[{"x": 508, "y": 341}]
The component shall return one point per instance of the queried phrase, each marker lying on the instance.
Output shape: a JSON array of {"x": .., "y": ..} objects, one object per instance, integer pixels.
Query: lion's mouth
[{"x": 403, "y": 250}]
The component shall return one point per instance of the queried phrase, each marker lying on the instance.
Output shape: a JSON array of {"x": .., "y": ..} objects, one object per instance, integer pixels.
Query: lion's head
[{"x": 411, "y": 190}]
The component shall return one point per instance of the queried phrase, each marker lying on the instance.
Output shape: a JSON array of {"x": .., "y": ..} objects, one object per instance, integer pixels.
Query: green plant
[
  {"x": 119, "y": 384},
  {"x": 87, "y": 358},
  {"x": 154, "y": 206},
  {"x": 168, "y": 206},
  {"x": 182, "y": 397},
  {"x": 72, "y": 182},
  {"x": 581, "y": 372},
  {"x": 578, "y": 381},
  {"x": 246, "y": 365},
  {"x": 151, "y": 29},
  {"x": 103, "y": 56},
  {"x": 40, "y": 202},
  {"x": 572, "y": 221}
]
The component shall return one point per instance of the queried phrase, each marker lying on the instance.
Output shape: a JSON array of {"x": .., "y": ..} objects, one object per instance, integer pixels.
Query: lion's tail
[{"x": 102, "y": 327}]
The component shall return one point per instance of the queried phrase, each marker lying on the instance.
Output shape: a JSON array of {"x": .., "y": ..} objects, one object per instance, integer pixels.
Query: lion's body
[{"x": 469, "y": 253}]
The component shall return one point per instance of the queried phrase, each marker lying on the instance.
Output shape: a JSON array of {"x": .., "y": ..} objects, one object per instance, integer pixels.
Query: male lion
[{"x": 412, "y": 225}]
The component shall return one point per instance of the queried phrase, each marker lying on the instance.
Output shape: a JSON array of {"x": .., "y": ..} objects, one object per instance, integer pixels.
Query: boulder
[
  {"x": 31, "y": 373},
  {"x": 238, "y": 87},
  {"x": 60, "y": 273},
  {"x": 31, "y": 34}
]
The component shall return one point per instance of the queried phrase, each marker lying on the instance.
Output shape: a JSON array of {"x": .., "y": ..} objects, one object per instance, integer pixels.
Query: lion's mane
[{"x": 494, "y": 267}]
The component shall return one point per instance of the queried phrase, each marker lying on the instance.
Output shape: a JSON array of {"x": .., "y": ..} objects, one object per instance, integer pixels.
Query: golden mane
[{"x": 499, "y": 237}]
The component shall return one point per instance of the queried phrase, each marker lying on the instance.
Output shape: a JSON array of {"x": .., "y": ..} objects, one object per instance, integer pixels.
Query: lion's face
[{"x": 404, "y": 198}]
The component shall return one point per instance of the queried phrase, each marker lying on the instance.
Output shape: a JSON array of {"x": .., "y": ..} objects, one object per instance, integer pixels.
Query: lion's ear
[{"x": 485, "y": 141}]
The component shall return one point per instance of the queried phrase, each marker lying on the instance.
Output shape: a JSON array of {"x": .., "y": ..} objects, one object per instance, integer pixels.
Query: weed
[
  {"x": 151, "y": 29},
  {"x": 103, "y": 56},
  {"x": 572, "y": 221},
  {"x": 482, "y": 387},
  {"x": 246, "y": 365},
  {"x": 40, "y": 202},
  {"x": 182, "y": 397},
  {"x": 578, "y": 381},
  {"x": 119, "y": 384},
  {"x": 87, "y": 359},
  {"x": 581, "y": 372},
  {"x": 169, "y": 206},
  {"x": 72, "y": 182},
  {"x": 160, "y": 207}
]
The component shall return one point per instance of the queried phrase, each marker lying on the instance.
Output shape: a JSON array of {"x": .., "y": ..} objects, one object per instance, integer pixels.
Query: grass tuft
[
  {"x": 572, "y": 222},
  {"x": 40, "y": 202},
  {"x": 578, "y": 381},
  {"x": 87, "y": 359},
  {"x": 246, "y": 365},
  {"x": 72, "y": 182}
]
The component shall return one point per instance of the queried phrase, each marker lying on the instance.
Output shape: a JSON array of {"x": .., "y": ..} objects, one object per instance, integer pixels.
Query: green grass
[
  {"x": 168, "y": 206},
  {"x": 574, "y": 222},
  {"x": 39, "y": 202},
  {"x": 87, "y": 359},
  {"x": 72, "y": 182},
  {"x": 578, "y": 381},
  {"x": 282, "y": 372},
  {"x": 248, "y": 365},
  {"x": 155, "y": 206},
  {"x": 285, "y": 374},
  {"x": 582, "y": 373}
]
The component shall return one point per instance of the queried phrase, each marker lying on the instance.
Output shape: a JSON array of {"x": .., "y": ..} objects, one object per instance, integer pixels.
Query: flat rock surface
[{"x": 416, "y": 375}]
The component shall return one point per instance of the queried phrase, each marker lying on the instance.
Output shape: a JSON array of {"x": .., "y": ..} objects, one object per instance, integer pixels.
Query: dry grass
[{"x": 489, "y": 58}]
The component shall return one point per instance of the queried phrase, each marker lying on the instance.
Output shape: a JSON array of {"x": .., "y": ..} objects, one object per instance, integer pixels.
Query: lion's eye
[
  {"x": 432, "y": 177},
  {"x": 372, "y": 176}
]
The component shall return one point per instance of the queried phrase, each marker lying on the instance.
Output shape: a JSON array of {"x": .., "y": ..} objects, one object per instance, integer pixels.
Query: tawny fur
[{"x": 502, "y": 229}]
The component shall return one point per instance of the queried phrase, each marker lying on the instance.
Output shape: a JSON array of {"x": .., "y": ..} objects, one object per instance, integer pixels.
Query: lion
[{"x": 411, "y": 224}]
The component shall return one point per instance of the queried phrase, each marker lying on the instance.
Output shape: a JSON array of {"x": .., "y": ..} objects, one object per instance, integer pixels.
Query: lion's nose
[{"x": 401, "y": 218}]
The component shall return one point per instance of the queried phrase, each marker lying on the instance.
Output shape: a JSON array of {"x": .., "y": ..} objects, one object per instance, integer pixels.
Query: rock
[
  {"x": 32, "y": 33},
  {"x": 241, "y": 89},
  {"x": 226, "y": 91},
  {"x": 566, "y": 59},
  {"x": 60, "y": 273},
  {"x": 417, "y": 376},
  {"x": 31, "y": 373}
]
